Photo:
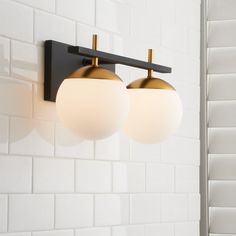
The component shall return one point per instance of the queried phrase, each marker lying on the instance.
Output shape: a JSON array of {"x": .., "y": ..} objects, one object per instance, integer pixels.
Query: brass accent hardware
[
  {"x": 150, "y": 59},
  {"x": 94, "y": 71},
  {"x": 94, "y": 47},
  {"x": 150, "y": 82}
]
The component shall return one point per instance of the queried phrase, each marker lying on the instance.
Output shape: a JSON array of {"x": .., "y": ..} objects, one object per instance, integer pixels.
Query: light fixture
[
  {"x": 155, "y": 109},
  {"x": 92, "y": 102}
]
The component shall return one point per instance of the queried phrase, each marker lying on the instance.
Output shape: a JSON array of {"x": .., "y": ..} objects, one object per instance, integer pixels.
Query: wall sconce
[
  {"x": 93, "y": 102},
  {"x": 155, "y": 110}
]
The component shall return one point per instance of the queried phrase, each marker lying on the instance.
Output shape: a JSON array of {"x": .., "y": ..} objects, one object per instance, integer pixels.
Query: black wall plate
[
  {"x": 58, "y": 64},
  {"x": 62, "y": 59}
]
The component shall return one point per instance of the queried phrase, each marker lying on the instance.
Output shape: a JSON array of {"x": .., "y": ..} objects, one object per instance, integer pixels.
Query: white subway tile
[
  {"x": 79, "y": 10},
  {"x": 19, "y": 20},
  {"x": 189, "y": 95},
  {"x": 130, "y": 230},
  {"x": 118, "y": 45},
  {"x": 186, "y": 68},
  {"x": 145, "y": 152},
  {"x": 187, "y": 179},
  {"x": 93, "y": 232},
  {"x": 174, "y": 37},
  {"x": 4, "y": 133},
  {"x": 174, "y": 207},
  {"x": 145, "y": 208},
  {"x": 128, "y": 177},
  {"x": 26, "y": 61},
  {"x": 93, "y": 176},
  {"x": 4, "y": 56},
  {"x": 132, "y": 47},
  {"x": 187, "y": 13},
  {"x": 16, "y": 97},
  {"x": 194, "y": 43},
  {"x": 221, "y": 9},
  {"x": 42, "y": 109},
  {"x": 159, "y": 178},
  {"x": 54, "y": 233},
  {"x": 189, "y": 125},
  {"x": 194, "y": 207},
  {"x": 163, "y": 8},
  {"x": 111, "y": 209},
  {"x": 47, "y": 5},
  {"x": 53, "y": 175},
  {"x": 108, "y": 149},
  {"x": 84, "y": 37},
  {"x": 73, "y": 211},
  {"x": 150, "y": 25},
  {"x": 70, "y": 145},
  {"x": 52, "y": 27},
  {"x": 124, "y": 147},
  {"x": 162, "y": 229},
  {"x": 181, "y": 151},
  {"x": 112, "y": 21},
  {"x": 3, "y": 213},
  {"x": 31, "y": 137},
  {"x": 187, "y": 229},
  {"x": 15, "y": 174},
  {"x": 31, "y": 212}
]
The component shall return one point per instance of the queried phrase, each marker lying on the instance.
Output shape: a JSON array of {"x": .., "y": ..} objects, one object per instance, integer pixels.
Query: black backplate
[{"x": 58, "y": 64}]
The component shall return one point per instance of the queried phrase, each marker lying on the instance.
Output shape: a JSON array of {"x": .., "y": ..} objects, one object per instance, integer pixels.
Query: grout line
[
  {"x": 174, "y": 167},
  {"x": 10, "y": 57},
  {"x": 95, "y": 14},
  {"x": 8, "y": 212},
  {"x": 145, "y": 169},
  {"x": 56, "y": 7},
  {"x": 112, "y": 176},
  {"x": 75, "y": 176},
  {"x": 54, "y": 218},
  {"x": 34, "y": 24},
  {"x": 130, "y": 206},
  {"x": 32, "y": 100},
  {"x": 107, "y": 160},
  {"x": 94, "y": 150},
  {"x": 33, "y": 7},
  {"x": 32, "y": 176},
  {"x": 54, "y": 138},
  {"x": 94, "y": 210},
  {"x": 9, "y": 135}
]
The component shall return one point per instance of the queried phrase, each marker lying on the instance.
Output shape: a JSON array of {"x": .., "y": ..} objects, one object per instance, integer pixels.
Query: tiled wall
[{"x": 55, "y": 184}]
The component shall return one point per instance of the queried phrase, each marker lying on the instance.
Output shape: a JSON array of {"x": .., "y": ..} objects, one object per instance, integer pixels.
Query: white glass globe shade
[
  {"x": 154, "y": 114},
  {"x": 92, "y": 108}
]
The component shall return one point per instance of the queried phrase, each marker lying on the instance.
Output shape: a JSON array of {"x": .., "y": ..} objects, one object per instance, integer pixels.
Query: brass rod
[
  {"x": 150, "y": 59},
  {"x": 94, "y": 47}
]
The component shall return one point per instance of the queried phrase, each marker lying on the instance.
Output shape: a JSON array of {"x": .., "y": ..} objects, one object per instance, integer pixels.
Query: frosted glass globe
[
  {"x": 92, "y": 108},
  {"x": 154, "y": 114}
]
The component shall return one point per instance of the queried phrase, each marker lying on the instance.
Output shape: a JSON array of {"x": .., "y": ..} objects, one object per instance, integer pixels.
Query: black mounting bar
[
  {"x": 63, "y": 59},
  {"x": 108, "y": 58}
]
